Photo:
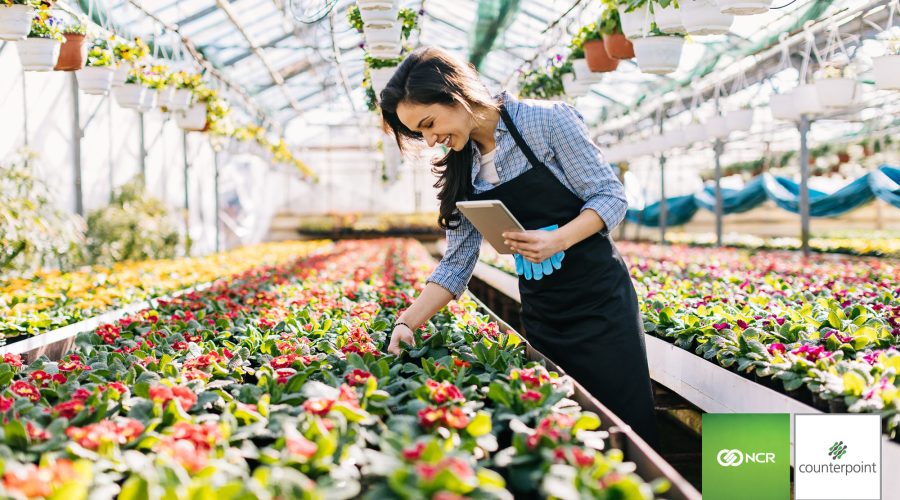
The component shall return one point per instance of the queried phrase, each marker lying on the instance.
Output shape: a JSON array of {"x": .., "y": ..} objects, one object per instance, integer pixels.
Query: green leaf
[
  {"x": 135, "y": 488},
  {"x": 15, "y": 434},
  {"x": 854, "y": 383}
]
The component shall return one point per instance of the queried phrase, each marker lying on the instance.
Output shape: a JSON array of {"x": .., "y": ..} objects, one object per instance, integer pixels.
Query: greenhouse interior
[{"x": 421, "y": 249}]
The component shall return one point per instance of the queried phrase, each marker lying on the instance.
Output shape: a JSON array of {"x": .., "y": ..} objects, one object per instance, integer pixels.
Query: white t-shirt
[{"x": 488, "y": 170}]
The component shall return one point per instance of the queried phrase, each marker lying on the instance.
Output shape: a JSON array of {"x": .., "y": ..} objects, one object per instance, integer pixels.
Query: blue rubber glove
[{"x": 537, "y": 271}]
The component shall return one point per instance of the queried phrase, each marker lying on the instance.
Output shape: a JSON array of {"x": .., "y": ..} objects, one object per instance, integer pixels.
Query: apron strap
[{"x": 532, "y": 158}]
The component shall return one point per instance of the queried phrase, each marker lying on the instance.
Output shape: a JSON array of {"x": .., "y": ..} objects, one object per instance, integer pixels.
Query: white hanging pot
[
  {"x": 658, "y": 55},
  {"x": 703, "y": 17},
  {"x": 674, "y": 138},
  {"x": 717, "y": 127},
  {"x": 837, "y": 92},
  {"x": 121, "y": 74},
  {"x": 380, "y": 79},
  {"x": 375, "y": 4},
  {"x": 783, "y": 107},
  {"x": 574, "y": 87},
  {"x": 382, "y": 13},
  {"x": 739, "y": 120},
  {"x": 694, "y": 132},
  {"x": 806, "y": 99},
  {"x": 886, "y": 72},
  {"x": 148, "y": 100},
  {"x": 181, "y": 99},
  {"x": 95, "y": 80},
  {"x": 744, "y": 7},
  {"x": 164, "y": 97},
  {"x": 583, "y": 72},
  {"x": 383, "y": 36},
  {"x": 668, "y": 20},
  {"x": 634, "y": 23},
  {"x": 194, "y": 118},
  {"x": 129, "y": 95},
  {"x": 15, "y": 21},
  {"x": 38, "y": 54}
]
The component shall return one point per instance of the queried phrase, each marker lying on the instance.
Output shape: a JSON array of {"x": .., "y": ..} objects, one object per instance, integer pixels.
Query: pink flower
[
  {"x": 26, "y": 390},
  {"x": 776, "y": 347},
  {"x": 357, "y": 377},
  {"x": 531, "y": 396},
  {"x": 182, "y": 395}
]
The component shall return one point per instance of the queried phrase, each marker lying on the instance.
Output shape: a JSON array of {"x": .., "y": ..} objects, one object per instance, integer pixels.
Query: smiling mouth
[{"x": 447, "y": 142}]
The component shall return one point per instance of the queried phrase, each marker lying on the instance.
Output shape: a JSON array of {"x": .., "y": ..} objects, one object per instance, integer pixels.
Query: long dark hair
[{"x": 432, "y": 76}]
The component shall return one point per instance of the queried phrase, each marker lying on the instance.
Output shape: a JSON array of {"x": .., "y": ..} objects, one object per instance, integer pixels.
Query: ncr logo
[{"x": 734, "y": 458}]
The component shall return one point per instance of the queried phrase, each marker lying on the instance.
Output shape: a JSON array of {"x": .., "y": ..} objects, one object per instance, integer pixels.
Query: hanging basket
[
  {"x": 192, "y": 119},
  {"x": 740, "y": 120},
  {"x": 129, "y": 95},
  {"x": 744, "y": 7},
  {"x": 806, "y": 100},
  {"x": 164, "y": 97},
  {"x": 717, "y": 127},
  {"x": 783, "y": 107},
  {"x": 375, "y": 4},
  {"x": 583, "y": 72},
  {"x": 380, "y": 79},
  {"x": 618, "y": 47},
  {"x": 385, "y": 36},
  {"x": 695, "y": 132},
  {"x": 95, "y": 80},
  {"x": 38, "y": 54},
  {"x": 886, "y": 72},
  {"x": 837, "y": 92},
  {"x": 668, "y": 20},
  {"x": 148, "y": 101},
  {"x": 121, "y": 74},
  {"x": 674, "y": 139},
  {"x": 573, "y": 87},
  {"x": 658, "y": 55},
  {"x": 72, "y": 54},
  {"x": 378, "y": 13},
  {"x": 635, "y": 22},
  {"x": 181, "y": 99},
  {"x": 703, "y": 17},
  {"x": 15, "y": 21},
  {"x": 597, "y": 59}
]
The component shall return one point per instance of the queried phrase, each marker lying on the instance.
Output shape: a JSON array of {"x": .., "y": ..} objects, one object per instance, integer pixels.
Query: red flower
[
  {"x": 531, "y": 396},
  {"x": 39, "y": 376},
  {"x": 456, "y": 418},
  {"x": 428, "y": 417},
  {"x": 13, "y": 359},
  {"x": 92, "y": 436},
  {"x": 461, "y": 363},
  {"x": 776, "y": 347},
  {"x": 443, "y": 392},
  {"x": 414, "y": 454},
  {"x": 184, "y": 396},
  {"x": 36, "y": 433},
  {"x": 59, "y": 378},
  {"x": 81, "y": 394},
  {"x": 72, "y": 365},
  {"x": 69, "y": 409},
  {"x": 283, "y": 361},
  {"x": 5, "y": 403},
  {"x": 118, "y": 387},
  {"x": 26, "y": 390},
  {"x": 298, "y": 445},
  {"x": 348, "y": 395},
  {"x": 284, "y": 374},
  {"x": 357, "y": 377},
  {"x": 319, "y": 407},
  {"x": 180, "y": 345}
]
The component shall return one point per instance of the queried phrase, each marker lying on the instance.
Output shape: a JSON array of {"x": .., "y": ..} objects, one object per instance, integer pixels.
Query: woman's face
[{"x": 438, "y": 123}]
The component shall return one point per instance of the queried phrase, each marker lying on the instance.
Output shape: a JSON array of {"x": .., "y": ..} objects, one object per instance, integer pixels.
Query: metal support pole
[
  {"x": 143, "y": 151},
  {"x": 109, "y": 148},
  {"x": 216, "y": 187},
  {"x": 76, "y": 144},
  {"x": 718, "y": 146},
  {"x": 804, "y": 184},
  {"x": 187, "y": 207},
  {"x": 663, "y": 204},
  {"x": 24, "y": 111}
]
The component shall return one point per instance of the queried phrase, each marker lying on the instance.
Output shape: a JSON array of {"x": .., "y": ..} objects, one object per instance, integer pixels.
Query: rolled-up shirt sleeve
[
  {"x": 591, "y": 176},
  {"x": 455, "y": 269}
]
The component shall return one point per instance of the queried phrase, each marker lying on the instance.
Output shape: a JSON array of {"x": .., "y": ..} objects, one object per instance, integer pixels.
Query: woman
[{"x": 536, "y": 157}]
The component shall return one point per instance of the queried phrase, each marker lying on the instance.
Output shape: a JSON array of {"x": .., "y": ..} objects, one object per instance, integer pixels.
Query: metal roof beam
[{"x": 240, "y": 57}]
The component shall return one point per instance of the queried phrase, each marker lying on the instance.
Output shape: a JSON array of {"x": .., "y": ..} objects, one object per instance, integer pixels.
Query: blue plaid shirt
[{"x": 559, "y": 138}]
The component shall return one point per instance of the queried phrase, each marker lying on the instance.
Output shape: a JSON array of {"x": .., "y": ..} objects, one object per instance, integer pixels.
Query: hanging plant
[
  {"x": 409, "y": 20},
  {"x": 15, "y": 19},
  {"x": 73, "y": 53},
  {"x": 886, "y": 68},
  {"x": 588, "y": 43},
  {"x": 40, "y": 50},
  {"x": 355, "y": 18},
  {"x": 658, "y": 53},
  {"x": 616, "y": 44},
  {"x": 127, "y": 54},
  {"x": 545, "y": 82},
  {"x": 97, "y": 75}
]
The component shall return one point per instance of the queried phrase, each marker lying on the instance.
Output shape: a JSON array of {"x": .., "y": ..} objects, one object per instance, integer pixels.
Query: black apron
[{"x": 584, "y": 316}]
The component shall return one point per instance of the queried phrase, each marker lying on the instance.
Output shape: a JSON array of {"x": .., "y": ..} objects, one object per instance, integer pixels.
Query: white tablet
[{"x": 492, "y": 219}]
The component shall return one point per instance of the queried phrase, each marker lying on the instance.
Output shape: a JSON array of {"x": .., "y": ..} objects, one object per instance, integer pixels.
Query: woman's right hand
[{"x": 401, "y": 333}]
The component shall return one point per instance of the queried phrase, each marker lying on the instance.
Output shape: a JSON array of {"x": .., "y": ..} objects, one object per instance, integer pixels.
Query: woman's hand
[
  {"x": 401, "y": 333},
  {"x": 535, "y": 246}
]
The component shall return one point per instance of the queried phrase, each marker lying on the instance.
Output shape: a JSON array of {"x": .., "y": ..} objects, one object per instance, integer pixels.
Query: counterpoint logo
[
  {"x": 837, "y": 450},
  {"x": 730, "y": 458}
]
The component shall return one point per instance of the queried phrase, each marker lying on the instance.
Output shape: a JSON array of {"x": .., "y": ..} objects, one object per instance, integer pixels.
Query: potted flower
[
  {"x": 542, "y": 82},
  {"x": 744, "y": 7},
  {"x": 73, "y": 53},
  {"x": 658, "y": 53},
  {"x": 587, "y": 45},
  {"x": 667, "y": 16},
  {"x": 378, "y": 12},
  {"x": 381, "y": 71},
  {"x": 184, "y": 85},
  {"x": 616, "y": 44},
  {"x": 836, "y": 84},
  {"x": 15, "y": 19},
  {"x": 40, "y": 50},
  {"x": 634, "y": 17},
  {"x": 128, "y": 53},
  {"x": 159, "y": 82},
  {"x": 886, "y": 68},
  {"x": 96, "y": 76},
  {"x": 131, "y": 93},
  {"x": 703, "y": 17}
]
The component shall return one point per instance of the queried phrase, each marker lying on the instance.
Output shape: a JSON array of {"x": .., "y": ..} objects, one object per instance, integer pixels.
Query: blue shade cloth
[{"x": 883, "y": 183}]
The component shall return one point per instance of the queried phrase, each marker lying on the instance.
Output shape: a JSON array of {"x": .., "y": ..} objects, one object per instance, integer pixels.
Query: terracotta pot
[
  {"x": 597, "y": 58},
  {"x": 72, "y": 54},
  {"x": 618, "y": 47}
]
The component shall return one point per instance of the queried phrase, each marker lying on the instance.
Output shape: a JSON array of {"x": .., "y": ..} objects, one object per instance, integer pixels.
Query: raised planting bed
[{"x": 273, "y": 384}]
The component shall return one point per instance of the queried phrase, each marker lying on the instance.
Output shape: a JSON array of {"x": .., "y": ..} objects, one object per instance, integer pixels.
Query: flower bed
[
  {"x": 872, "y": 244},
  {"x": 273, "y": 384},
  {"x": 49, "y": 300},
  {"x": 825, "y": 331}
]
